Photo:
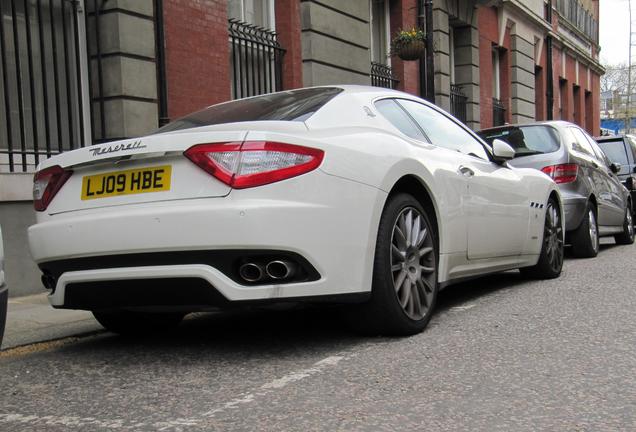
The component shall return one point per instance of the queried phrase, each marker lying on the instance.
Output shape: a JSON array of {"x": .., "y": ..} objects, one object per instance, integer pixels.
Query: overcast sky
[{"x": 614, "y": 31}]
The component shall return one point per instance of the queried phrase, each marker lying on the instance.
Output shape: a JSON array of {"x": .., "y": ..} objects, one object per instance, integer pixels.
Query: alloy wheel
[
  {"x": 593, "y": 229},
  {"x": 413, "y": 266},
  {"x": 630, "y": 224},
  {"x": 553, "y": 237}
]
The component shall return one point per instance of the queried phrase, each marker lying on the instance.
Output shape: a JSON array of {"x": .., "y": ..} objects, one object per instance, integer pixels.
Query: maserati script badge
[{"x": 116, "y": 148}]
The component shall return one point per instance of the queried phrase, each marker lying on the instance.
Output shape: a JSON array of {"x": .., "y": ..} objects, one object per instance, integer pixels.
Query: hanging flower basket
[
  {"x": 412, "y": 51},
  {"x": 409, "y": 44}
]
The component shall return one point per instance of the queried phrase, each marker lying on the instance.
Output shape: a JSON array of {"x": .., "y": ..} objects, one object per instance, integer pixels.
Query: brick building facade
[{"x": 87, "y": 71}]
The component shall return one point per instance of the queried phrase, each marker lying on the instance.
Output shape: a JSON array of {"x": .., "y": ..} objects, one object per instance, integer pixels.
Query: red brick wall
[
  {"x": 197, "y": 54},
  {"x": 404, "y": 16},
  {"x": 488, "y": 36},
  {"x": 288, "y": 29}
]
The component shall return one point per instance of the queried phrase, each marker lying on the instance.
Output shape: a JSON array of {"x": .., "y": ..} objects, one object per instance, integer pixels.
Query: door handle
[{"x": 465, "y": 171}]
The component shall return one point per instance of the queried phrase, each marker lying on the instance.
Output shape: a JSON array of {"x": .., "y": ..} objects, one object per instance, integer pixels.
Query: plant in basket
[{"x": 409, "y": 44}]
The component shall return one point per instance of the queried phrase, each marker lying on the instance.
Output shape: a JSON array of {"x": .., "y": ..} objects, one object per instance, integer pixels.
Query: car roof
[
  {"x": 561, "y": 123},
  {"x": 612, "y": 137}
]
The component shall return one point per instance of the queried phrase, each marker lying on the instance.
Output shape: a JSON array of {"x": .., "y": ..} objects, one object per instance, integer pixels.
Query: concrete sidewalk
[{"x": 31, "y": 319}]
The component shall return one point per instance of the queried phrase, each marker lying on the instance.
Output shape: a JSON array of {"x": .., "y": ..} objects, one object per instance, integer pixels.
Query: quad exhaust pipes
[{"x": 276, "y": 269}]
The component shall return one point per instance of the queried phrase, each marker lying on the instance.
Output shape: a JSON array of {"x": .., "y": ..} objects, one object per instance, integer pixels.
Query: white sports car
[{"x": 342, "y": 194}]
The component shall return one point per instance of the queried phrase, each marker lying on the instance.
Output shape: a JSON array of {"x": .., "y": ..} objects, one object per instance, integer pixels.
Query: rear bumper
[
  {"x": 329, "y": 222},
  {"x": 574, "y": 211},
  {"x": 180, "y": 287}
]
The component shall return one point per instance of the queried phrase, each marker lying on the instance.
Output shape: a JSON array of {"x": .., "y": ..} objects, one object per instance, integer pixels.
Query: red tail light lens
[
  {"x": 564, "y": 173},
  {"x": 46, "y": 184},
  {"x": 254, "y": 163}
]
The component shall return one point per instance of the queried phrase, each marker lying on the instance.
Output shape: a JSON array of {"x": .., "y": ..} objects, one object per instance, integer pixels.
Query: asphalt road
[{"x": 501, "y": 354}]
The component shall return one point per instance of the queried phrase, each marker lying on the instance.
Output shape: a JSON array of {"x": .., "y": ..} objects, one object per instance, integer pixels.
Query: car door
[
  {"x": 595, "y": 171},
  {"x": 617, "y": 195},
  {"x": 496, "y": 203}
]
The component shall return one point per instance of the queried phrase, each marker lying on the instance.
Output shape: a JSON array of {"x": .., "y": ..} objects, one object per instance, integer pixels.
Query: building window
[
  {"x": 496, "y": 74},
  {"x": 44, "y": 103},
  {"x": 451, "y": 53},
  {"x": 380, "y": 33},
  {"x": 256, "y": 12},
  {"x": 498, "y": 109},
  {"x": 563, "y": 99},
  {"x": 381, "y": 72},
  {"x": 256, "y": 57}
]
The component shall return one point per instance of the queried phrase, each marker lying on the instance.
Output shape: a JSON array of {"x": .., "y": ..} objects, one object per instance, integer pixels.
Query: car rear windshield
[
  {"x": 294, "y": 105},
  {"x": 614, "y": 150},
  {"x": 526, "y": 140}
]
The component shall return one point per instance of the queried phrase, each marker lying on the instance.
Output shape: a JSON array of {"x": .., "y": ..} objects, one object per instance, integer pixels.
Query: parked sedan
[
  {"x": 596, "y": 203},
  {"x": 340, "y": 194},
  {"x": 4, "y": 292},
  {"x": 622, "y": 151}
]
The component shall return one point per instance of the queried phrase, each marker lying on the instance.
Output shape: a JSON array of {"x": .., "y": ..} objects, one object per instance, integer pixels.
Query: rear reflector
[
  {"x": 563, "y": 173},
  {"x": 46, "y": 183},
  {"x": 254, "y": 163}
]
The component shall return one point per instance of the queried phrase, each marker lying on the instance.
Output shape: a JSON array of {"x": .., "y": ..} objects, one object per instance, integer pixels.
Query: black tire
[
  {"x": 385, "y": 313},
  {"x": 585, "y": 239},
  {"x": 550, "y": 261},
  {"x": 627, "y": 236},
  {"x": 136, "y": 323}
]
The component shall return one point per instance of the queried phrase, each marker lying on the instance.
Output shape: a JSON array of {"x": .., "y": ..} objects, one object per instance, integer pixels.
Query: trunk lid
[{"x": 156, "y": 160}]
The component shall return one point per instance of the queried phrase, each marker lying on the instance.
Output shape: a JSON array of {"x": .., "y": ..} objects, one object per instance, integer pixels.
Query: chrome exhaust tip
[
  {"x": 280, "y": 269},
  {"x": 251, "y": 272}
]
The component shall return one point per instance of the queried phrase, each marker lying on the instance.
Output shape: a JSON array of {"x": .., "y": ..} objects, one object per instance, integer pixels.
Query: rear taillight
[
  {"x": 563, "y": 173},
  {"x": 254, "y": 163},
  {"x": 46, "y": 184}
]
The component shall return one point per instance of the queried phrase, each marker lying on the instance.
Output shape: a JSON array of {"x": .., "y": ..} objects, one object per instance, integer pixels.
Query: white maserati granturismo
[{"x": 347, "y": 194}]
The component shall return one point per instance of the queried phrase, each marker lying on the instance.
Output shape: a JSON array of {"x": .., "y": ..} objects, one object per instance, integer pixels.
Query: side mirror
[
  {"x": 615, "y": 167},
  {"x": 502, "y": 151}
]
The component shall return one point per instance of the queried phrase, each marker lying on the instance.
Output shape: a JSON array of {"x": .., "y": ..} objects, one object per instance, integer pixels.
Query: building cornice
[
  {"x": 529, "y": 13},
  {"x": 582, "y": 56}
]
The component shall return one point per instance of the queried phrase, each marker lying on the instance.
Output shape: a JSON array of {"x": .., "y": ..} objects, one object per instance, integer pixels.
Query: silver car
[
  {"x": 596, "y": 203},
  {"x": 4, "y": 294}
]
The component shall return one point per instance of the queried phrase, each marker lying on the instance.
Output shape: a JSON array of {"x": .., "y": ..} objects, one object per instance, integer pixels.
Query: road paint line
[
  {"x": 278, "y": 384},
  {"x": 463, "y": 308},
  {"x": 86, "y": 423}
]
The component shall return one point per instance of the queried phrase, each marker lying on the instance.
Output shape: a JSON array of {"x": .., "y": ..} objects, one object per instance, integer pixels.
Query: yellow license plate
[{"x": 128, "y": 182}]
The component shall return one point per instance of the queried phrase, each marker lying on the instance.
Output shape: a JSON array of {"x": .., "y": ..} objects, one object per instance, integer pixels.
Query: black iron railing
[
  {"x": 42, "y": 112},
  {"x": 459, "y": 101},
  {"x": 498, "y": 112},
  {"x": 256, "y": 60},
  {"x": 382, "y": 76}
]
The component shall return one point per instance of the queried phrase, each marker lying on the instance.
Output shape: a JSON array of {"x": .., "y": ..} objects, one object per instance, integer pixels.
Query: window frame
[
  {"x": 387, "y": 33},
  {"x": 271, "y": 25}
]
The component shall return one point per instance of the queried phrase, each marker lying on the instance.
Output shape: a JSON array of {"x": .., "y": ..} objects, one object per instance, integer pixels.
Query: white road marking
[
  {"x": 463, "y": 308},
  {"x": 277, "y": 384},
  {"x": 179, "y": 423}
]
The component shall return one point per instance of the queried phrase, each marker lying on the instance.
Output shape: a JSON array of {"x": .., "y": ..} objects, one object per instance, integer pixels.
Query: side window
[
  {"x": 600, "y": 155},
  {"x": 398, "y": 118},
  {"x": 580, "y": 143},
  {"x": 631, "y": 142},
  {"x": 442, "y": 131}
]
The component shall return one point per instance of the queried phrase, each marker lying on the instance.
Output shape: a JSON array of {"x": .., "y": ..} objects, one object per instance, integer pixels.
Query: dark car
[
  {"x": 621, "y": 149},
  {"x": 4, "y": 294},
  {"x": 595, "y": 201}
]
